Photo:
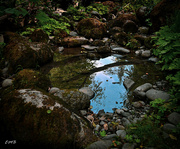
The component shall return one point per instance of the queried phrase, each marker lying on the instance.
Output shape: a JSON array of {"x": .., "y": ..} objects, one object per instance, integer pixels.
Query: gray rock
[
  {"x": 5, "y": 72},
  {"x": 119, "y": 111},
  {"x": 103, "y": 144},
  {"x": 144, "y": 87},
  {"x": 116, "y": 48},
  {"x": 146, "y": 53},
  {"x": 125, "y": 114},
  {"x": 7, "y": 83},
  {"x": 89, "y": 48},
  {"x": 143, "y": 30},
  {"x": 128, "y": 83},
  {"x": 1, "y": 38},
  {"x": 83, "y": 112},
  {"x": 101, "y": 113},
  {"x": 102, "y": 123},
  {"x": 128, "y": 146},
  {"x": 60, "y": 49},
  {"x": 54, "y": 90},
  {"x": 138, "y": 104},
  {"x": 97, "y": 128},
  {"x": 125, "y": 121},
  {"x": 140, "y": 95},
  {"x": 174, "y": 118},
  {"x": 117, "y": 55},
  {"x": 169, "y": 127},
  {"x": 120, "y": 127},
  {"x": 87, "y": 91},
  {"x": 73, "y": 33},
  {"x": 153, "y": 94},
  {"x": 121, "y": 133},
  {"x": 110, "y": 137},
  {"x": 153, "y": 59}
]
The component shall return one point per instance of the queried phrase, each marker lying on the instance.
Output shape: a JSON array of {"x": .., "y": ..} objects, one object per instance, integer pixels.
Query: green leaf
[
  {"x": 103, "y": 133},
  {"x": 49, "y": 111}
]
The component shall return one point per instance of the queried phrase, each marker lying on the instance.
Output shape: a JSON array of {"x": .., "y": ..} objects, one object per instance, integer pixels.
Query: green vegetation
[{"x": 168, "y": 50}]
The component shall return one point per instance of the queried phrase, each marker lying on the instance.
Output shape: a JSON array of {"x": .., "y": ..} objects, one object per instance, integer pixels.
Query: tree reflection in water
[{"x": 109, "y": 89}]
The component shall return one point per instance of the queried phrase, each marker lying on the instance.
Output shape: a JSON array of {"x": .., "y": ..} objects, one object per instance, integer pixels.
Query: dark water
[{"x": 107, "y": 83}]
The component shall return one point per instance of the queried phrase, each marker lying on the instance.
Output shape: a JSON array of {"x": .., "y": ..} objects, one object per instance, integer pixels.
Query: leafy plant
[
  {"x": 100, "y": 8},
  {"x": 167, "y": 48},
  {"x": 103, "y": 133}
]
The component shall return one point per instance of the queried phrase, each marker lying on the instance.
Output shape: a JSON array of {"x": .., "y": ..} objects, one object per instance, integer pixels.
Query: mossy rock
[
  {"x": 28, "y": 78},
  {"x": 92, "y": 28},
  {"x": 121, "y": 38},
  {"x": 35, "y": 119},
  {"x": 39, "y": 36},
  {"x": 121, "y": 19},
  {"x": 133, "y": 44},
  {"x": 22, "y": 53}
]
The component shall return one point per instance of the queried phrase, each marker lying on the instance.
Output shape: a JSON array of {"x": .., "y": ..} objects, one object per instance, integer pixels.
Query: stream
[{"x": 104, "y": 75}]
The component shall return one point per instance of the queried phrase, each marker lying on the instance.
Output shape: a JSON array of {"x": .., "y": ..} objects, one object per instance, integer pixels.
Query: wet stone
[
  {"x": 121, "y": 133},
  {"x": 128, "y": 83},
  {"x": 174, "y": 118},
  {"x": 153, "y": 94},
  {"x": 169, "y": 127},
  {"x": 7, "y": 83},
  {"x": 128, "y": 146},
  {"x": 116, "y": 48}
]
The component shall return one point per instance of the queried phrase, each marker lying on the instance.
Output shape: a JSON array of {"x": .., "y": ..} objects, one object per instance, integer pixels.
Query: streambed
[{"x": 105, "y": 76}]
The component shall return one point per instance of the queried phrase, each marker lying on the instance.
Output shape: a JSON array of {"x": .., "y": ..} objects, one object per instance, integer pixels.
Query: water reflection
[{"x": 109, "y": 89}]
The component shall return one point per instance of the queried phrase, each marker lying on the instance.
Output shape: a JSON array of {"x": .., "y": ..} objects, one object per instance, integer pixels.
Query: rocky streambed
[{"x": 84, "y": 89}]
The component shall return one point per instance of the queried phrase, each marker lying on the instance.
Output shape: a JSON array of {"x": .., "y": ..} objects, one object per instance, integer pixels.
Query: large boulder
[
  {"x": 39, "y": 36},
  {"x": 91, "y": 28},
  {"x": 126, "y": 21},
  {"x": 34, "y": 119},
  {"x": 24, "y": 54}
]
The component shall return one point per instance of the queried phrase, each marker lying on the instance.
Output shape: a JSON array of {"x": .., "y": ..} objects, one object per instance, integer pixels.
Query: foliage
[
  {"x": 49, "y": 25},
  {"x": 77, "y": 13},
  {"x": 103, "y": 133},
  {"x": 139, "y": 3},
  {"x": 100, "y": 8},
  {"x": 146, "y": 133},
  {"x": 167, "y": 48}
]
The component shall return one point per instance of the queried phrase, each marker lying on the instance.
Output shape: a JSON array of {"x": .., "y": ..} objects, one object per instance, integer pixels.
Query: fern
[{"x": 49, "y": 25}]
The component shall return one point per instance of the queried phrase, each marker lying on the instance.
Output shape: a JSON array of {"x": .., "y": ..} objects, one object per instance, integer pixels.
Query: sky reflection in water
[{"x": 108, "y": 85}]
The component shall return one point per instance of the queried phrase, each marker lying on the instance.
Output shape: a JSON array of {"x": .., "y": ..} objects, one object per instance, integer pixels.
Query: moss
[
  {"x": 32, "y": 126},
  {"x": 91, "y": 28},
  {"x": 21, "y": 53},
  {"x": 39, "y": 36},
  {"x": 28, "y": 78}
]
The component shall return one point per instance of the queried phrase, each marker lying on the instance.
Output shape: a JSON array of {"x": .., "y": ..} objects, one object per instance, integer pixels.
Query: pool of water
[
  {"x": 106, "y": 82},
  {"x": 109, "y": 89}
]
